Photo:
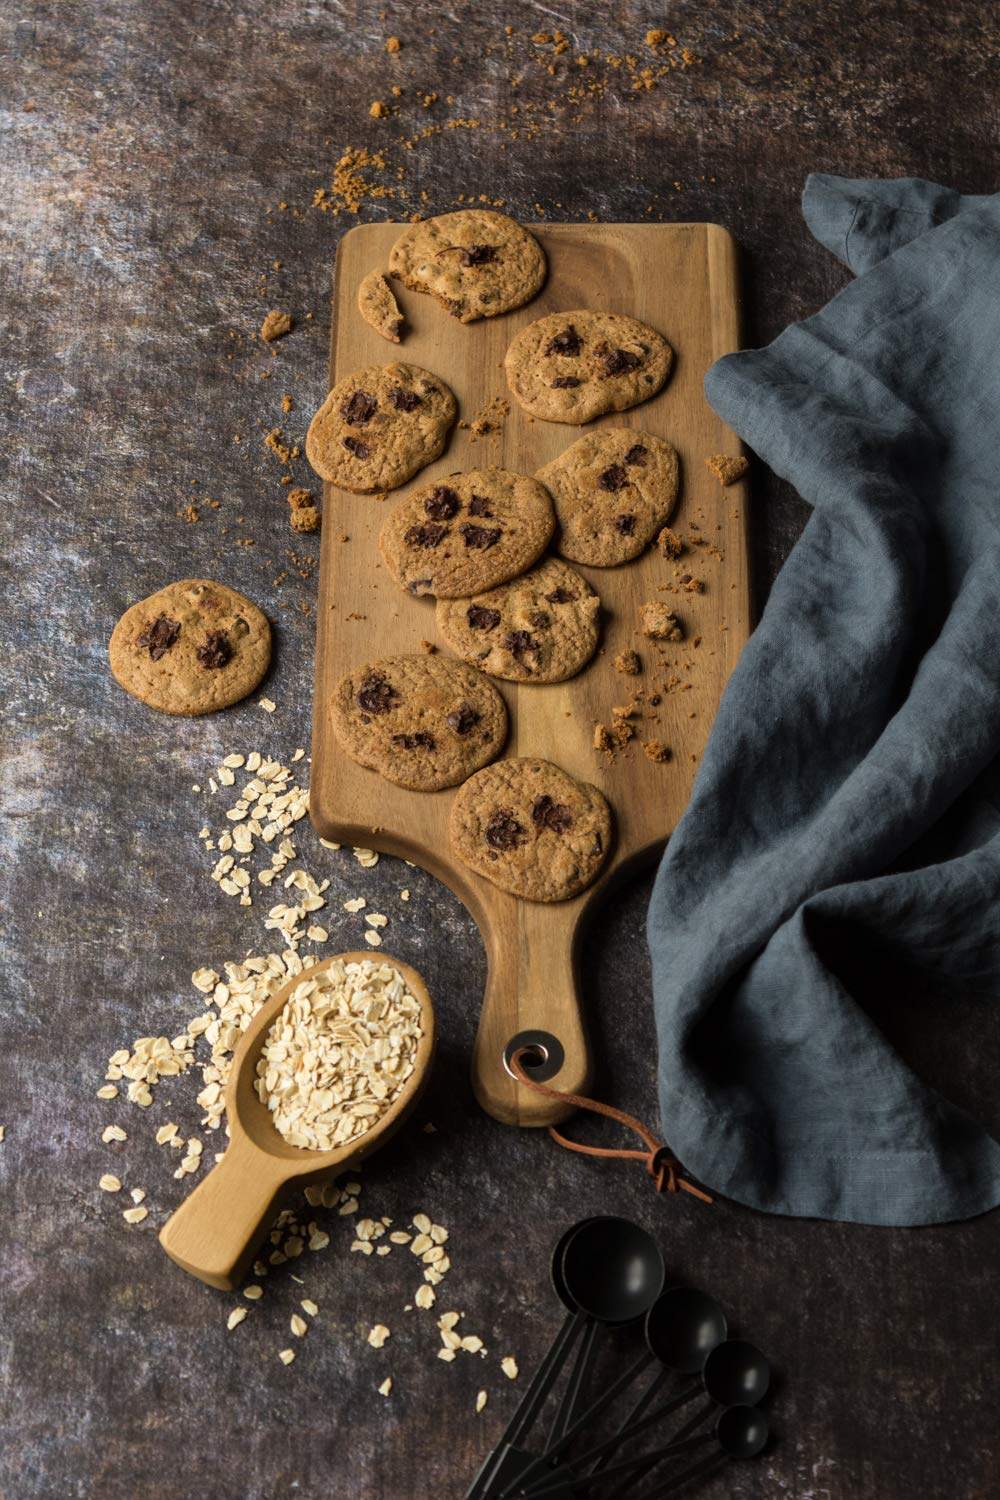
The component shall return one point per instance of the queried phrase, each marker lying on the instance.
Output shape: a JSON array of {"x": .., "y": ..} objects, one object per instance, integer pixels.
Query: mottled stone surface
[{"x": 147, "y": 150}]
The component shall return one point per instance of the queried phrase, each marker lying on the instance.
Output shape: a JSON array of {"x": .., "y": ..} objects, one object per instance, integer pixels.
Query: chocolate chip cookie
[
  {"x": 475, "y": 262},
  {"x": 423, "y": 722},
  {"x": 531, "y": 829},
  {"x": 191, "y": 648},
  {"x": 469, "y": 533},
  {"x": 541, "y": 627},
  {"x": 575, "y": 366},
  {"x": 379, "y": 426},
  {"x": 612, "y": 489},
  {"x": 379, "y": 308}
]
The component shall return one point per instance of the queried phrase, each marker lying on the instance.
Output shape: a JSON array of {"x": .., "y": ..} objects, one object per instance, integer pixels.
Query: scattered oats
[
  {"x": 450, "y": 1340},
  {"x": 298, "y": 1325},
  {"x": 364, "y": 1246},
  {"x": 386, "y": 1386},
  {"x": 449, "y": 1320},
  {"x": 109, "y": 1133},
  {"x": 472, "y": 1343},
  {"x": 372, "y": 938},
  {"x": 267, "y": 704},
  {"x": 481, "y": 1400},
  {"x": 424, "y": 1297},
  {"x": 404, "y": 895},
  {"x": 309, "y": 1306},
  {"x": 3, "y": 1131},
  {"x": 446, "y": 1354},
  {"x": 253, "y": 1292},
  {"x": 297, "y": 755},
  {"x": 420, "y": 1244},
  {"x": 317, "y": 934},
  {"x": 438, "y": 1234},
  {"x": 400, "y": 1237},
  {"x": 383, "y": 1250},
  {"x": 366, "y": 857},
  {"x": 236, "y": 1318},
  {"x": 329, "y": 844},
  {"x": 378, "y": 1335},
  {"x": 109, "y": 1184},
  {"x": 349, "y": 1206},
  {"x": 107, "y": 1091},
  {"x": 137, "y": 1195},
  {"x": 357, "y": 903},
  {"x": 319, "y": 1240},
  {"x": 509, "y": 1366},
  {"x": 314, "y": 1195},
  {"x": 286, "y": 1356},
  {"x": 134, "y": 1215},
  {"x": 377, "y": 919}
]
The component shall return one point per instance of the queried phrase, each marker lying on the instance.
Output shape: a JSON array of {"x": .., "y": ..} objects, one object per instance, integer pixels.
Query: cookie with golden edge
[
  {"x": 477, "y": 263},
  {"x": 471, "y": 532},
  {"x": 191, "y": 648},
  {"x": 379, "y": 426},
  {"x": 531, "y": 829},
  {"x": 613, "y": 490},
  {"x": 575, "y": 366},
  {"x": 423, "y": 722},
  {"x": 541, "y": 627}
]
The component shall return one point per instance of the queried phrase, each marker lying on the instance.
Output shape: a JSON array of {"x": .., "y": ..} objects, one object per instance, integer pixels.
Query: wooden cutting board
[{"x": 683, "y": 280}]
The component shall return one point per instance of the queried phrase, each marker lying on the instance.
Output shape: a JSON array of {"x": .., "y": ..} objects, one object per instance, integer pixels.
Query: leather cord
[{"x": 662, "y": 1166}]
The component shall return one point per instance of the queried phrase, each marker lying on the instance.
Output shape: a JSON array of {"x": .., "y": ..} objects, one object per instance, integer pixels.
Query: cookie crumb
[
  {"x": 669, "y": 543},
  {"x": 303, "y": 516},
  {"x": 660, "y": 623},
  {"x": 657, "y": 750},
  {"x": 602, "y": 738},
  {"x": 276, "y": 325},
  {"x": 727, "y": 470},
  {"x": 392, "y": 44},
  {"x": 628, "y": 662},
  {"x": 377, "y": 109}
]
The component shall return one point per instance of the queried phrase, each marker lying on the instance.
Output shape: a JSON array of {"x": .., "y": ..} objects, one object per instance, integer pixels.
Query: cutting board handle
[
  {"x": 215, "y": 1233},
  {"x": 531, "y": 987}
]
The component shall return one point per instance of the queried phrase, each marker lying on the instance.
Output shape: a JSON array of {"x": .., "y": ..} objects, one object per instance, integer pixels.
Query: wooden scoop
[{"x": 216, "y": 1231}]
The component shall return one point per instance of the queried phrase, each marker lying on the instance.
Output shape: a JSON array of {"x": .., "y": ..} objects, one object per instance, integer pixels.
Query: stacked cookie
[{"x": 495, "y": 548}]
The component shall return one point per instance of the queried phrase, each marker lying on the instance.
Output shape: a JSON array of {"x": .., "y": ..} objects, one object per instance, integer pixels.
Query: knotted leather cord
[{"x": 664, "y": 1168}]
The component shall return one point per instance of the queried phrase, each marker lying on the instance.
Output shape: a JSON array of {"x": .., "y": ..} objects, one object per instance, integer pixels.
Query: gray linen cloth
[{"x": 849, "y": 796}]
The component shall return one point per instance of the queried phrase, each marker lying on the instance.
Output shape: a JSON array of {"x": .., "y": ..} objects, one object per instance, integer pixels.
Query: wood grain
[{"x": 682, "y": 279}]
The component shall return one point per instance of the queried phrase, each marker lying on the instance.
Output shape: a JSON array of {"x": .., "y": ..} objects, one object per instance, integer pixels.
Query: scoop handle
[{"x": 217, "y": 1229}]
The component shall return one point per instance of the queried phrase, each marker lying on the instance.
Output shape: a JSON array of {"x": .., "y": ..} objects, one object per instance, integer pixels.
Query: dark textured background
[{"x": 147, "y": 149}]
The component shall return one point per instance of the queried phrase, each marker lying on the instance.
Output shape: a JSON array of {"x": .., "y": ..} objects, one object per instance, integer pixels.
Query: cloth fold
[{"x": 849, "y": 795}]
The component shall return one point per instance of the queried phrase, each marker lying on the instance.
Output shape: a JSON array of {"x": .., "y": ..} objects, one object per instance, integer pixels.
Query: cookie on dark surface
[
  {"x": 613, "y": 489},
  {"x": 540, "y": 627},
  {"x": 191, "y": 648},
  {"x": 477, "y": 263},
  {"x": 423, "y": 722},
  {"x": 531, "y": 829},
  {"x": 471, "y": 532},
  {"x": 379, "y": 426},
  {"x": 575, "y": 366}
]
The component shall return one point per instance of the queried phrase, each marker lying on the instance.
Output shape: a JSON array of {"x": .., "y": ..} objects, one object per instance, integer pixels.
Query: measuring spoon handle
[{"x": 216, "y": 1230}]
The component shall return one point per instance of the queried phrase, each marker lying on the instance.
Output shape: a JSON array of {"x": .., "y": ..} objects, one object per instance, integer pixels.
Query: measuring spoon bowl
[
  {"x": 683, "y": 1326},
  {"x": 736, "y": 1374},
  {"x": 613, "y": 1270},
  {"x": 742, "y": 1431},
  {"x": 217, "y": 1230}
]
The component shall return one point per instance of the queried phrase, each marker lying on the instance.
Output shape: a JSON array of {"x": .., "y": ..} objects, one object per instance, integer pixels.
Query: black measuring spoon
[
  {"x": 614, "y": 1272},
  {"x": 734, "y": 1374},
  {"x": 545, "y": 1376},
  {"x": 740, "y": 1431},
  {"x": 683, "y": 1326}
]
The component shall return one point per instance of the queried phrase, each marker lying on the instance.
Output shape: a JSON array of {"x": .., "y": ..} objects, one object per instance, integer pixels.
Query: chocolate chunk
[
  {"x": 568, "y": 342},
  {"x": 359, "y": 408},
  {"x": 625, "y": 524},
  {"x": 356, "y": 446},
  {"x": 480, "y": 506},
  {"x": 480, "y": 537},
  {"x": 560, "y": 596},
  {"x": 478, "y": 255},
  {"x": 618, "y": 361},
  {"x": 636, "y": 456},
  {"x": 539, "y": 619},
  {"x": 421, "y": 740},
  {"x": 430, "y": 534},
  {"x": 419, "y": 585},
  {"x": 215, "y": 650},
  {"x": 518, "y": 642},
  {"x": 376, "y": 695},
  {"x": 404, "y": 400},
  {"x": 546, "y": 813},
  {"x": 160, "y": 635},
  {"x": 503, "y": 831},
  {"x": 442, "y": 503},
  {"x": 481, "y": 618},
  {"x": 612, "y": 479},
  {"x": 463, "y": 719},
  {"x": 564, "y": 383}
]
